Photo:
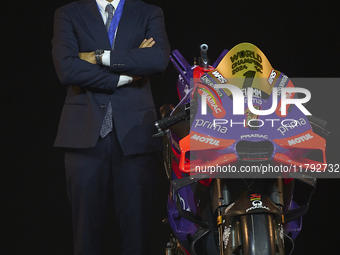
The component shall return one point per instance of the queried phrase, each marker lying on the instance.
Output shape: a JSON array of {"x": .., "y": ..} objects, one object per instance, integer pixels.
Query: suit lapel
[
  {"x": 90, "y": 15},
  {"x": 127, "y": 23}
]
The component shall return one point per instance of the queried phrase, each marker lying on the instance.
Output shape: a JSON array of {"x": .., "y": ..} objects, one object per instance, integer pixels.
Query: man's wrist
[
  {"x": 106, "y": 58},
  {"x": 98, "y": 55},
  {"x": 124, "y": 79}
]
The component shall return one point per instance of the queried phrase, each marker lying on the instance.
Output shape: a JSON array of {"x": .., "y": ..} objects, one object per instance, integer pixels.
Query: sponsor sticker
[
  {"x": 251, "y": 116},
  {"x": 225, "y": 236},
  {"x": 272, "y": 77},
  {"x": 300, "y": 139},
  {"x": 219, "y": 77},
  {"x": 204, "y": 139},
  {"x": 209, "y": 81},
  {"x": 254, "y": 136},
  {"x": 256, "y": 202},
  {"x": 213, "y": 102},
  {"x": 291, "y": 124},
  {"x": 282, "y": 84},
  {"x": 210, "y": 125}
]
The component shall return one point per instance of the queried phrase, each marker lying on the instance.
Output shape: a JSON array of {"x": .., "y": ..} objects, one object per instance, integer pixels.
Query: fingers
[
  {"x": 142, "y": 44},
  {"x": 81, "y": 55},
  {"x": 147, "y": 43}
]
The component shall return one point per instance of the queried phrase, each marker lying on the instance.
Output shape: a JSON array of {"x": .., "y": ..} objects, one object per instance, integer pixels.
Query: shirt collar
[{"x": 102, "y": 4}]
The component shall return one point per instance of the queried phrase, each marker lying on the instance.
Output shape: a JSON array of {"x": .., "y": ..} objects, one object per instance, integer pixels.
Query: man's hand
[
  {"x": 88, "y": 56},
  {"x": 147, "y": 43}
]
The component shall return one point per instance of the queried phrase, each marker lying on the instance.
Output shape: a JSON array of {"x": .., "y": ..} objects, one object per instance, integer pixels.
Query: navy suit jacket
[{"x": 78, "y": 27}]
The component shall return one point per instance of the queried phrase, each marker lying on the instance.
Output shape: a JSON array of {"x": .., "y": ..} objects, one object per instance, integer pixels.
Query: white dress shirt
[{"x": 123, "y": 79}]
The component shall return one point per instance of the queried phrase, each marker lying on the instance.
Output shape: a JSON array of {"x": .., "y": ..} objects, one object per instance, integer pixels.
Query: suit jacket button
[{"x": 103, "y": 106}]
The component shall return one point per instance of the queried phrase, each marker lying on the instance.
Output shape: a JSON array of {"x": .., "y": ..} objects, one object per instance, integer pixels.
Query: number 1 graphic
[{"x": 249, "y": 77}]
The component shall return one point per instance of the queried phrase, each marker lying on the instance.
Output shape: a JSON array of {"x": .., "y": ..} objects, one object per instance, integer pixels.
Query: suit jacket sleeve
[
  {"x": 70, "y": 68},
  {"x": 146, "y": 61}
]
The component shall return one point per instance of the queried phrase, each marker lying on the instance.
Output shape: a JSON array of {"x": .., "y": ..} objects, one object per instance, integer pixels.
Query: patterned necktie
[
  {"x": 109, "y": 9},
  {"x": 107, "y": 122}
]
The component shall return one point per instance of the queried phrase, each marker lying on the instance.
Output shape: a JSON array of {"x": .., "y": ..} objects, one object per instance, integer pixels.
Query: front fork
[
  {"x": 222, "y": 199},
  {"x": 173, "y": 247}
]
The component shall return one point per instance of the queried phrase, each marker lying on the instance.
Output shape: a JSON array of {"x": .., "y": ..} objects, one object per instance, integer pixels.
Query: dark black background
[{"x": 300, "y": 38}]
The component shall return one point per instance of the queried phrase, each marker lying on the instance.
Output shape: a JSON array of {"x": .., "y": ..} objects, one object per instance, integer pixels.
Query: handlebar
[{"x": 163, "y": 124}]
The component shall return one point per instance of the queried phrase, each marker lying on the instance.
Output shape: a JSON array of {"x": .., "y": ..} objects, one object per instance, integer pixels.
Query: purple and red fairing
[{"x": 220, "y": 137}]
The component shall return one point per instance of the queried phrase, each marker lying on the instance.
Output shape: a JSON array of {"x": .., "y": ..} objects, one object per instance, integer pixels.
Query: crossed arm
[
  {"x": 90, "y": 57},
  {"x": 123, "y": 79},
  {"x": 80, "y": 69}
]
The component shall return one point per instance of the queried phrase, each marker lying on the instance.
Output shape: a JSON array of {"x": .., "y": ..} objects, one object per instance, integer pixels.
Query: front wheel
[{"x": 260, "y": 235}]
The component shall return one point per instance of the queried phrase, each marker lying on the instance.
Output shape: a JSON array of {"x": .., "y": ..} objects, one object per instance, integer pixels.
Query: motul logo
[
  {"x": 203, "y": 139},
  {"x": 300, "y": 139}
]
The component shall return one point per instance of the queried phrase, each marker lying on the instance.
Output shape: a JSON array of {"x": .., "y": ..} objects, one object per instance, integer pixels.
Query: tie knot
[{"x": 109, "y": 8}]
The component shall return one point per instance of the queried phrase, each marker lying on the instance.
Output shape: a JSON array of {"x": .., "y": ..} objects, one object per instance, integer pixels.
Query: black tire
[{"x": 258, "y": 234}]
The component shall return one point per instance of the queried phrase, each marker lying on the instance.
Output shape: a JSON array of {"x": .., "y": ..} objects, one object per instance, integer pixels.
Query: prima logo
[
  {"x": 210, "y": 125},
  {"x": 289, "y": 124}
]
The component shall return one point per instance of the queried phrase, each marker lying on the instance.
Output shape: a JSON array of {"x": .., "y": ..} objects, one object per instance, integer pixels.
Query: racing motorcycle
[{"x": 232, "y": 176}]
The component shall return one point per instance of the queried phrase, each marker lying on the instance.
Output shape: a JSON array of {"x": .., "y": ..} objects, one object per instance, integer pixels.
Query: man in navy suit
[{"x": 107, "y": 83}]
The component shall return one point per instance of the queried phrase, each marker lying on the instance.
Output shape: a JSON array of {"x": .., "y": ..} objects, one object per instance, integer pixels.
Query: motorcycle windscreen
[{"x": 246, "y": 60}]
